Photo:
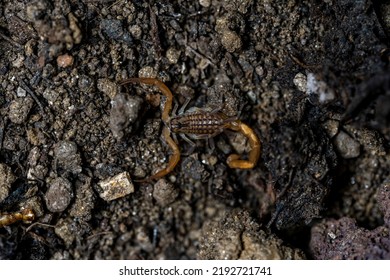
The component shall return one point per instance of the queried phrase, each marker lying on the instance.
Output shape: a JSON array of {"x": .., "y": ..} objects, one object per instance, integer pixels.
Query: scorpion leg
[
  {"x": 173, "y": 160},
  {"x": 234, "y": 160},
  {"x": 162, "y": 87}
]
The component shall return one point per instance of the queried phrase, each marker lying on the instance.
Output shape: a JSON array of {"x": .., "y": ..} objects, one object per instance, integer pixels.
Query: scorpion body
[{"x": 199, "y": 124}]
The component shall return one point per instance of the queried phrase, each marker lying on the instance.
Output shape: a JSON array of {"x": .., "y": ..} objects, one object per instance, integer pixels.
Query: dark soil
[{"x": 310, "y": 77}]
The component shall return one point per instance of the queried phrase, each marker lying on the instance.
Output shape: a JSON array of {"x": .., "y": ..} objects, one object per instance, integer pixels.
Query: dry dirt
[{"x": 310, "y": 77}]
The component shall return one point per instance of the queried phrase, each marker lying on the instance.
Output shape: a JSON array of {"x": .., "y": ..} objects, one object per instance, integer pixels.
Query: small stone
[
  {"x": 331, "y": 127},
  {"x": 205, "y": 3},
  {"x": 67, "y": 157},
  {"x": 260, "y": 71},
  {"x": 300, "y": 82},
  {"x": 20, "y": 92},
  {"x": 65, "y": 60},
  {"x": 222, "y": 24},
  {"x": 115, "y": 187},
  {"x": 19, "y": 61},
  {"x": 6, "y": 179},
  {"x": 51, "y": 96},
  {"x": 114, "y": 29},
  {"x": 19, "y": 109},
  {"x": 63, "y": 229},
  {"x": 173, "y": 55},
  {"x": 164, "y": 193},
  {"x": 346, "y": 145},
  {"x": 59, "y": 195},
  {"x": 231, "y": 41},
  {"x": 147, "y": 72},
  {"x": 136, "y": 31}
]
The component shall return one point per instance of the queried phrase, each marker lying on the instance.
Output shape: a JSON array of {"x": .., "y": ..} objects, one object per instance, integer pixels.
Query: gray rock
[
  {"x": 19, "y": 109},
  {"x": 346, "y": 145},
  {"x": 67, "y": 157},
  {"x": 59, "y": 195},
  {"x": 124, "y": 112}
]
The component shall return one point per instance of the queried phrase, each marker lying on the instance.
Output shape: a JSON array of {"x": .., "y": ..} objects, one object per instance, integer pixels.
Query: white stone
[{"x": 115, "y": 187}]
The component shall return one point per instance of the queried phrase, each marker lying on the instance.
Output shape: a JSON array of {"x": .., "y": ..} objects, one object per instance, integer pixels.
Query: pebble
[
  {"x": 65, "y": 60},
  {"x": 6, "y": 179},
  {"x": 59, "y": 195},
  {"x": 136, "y": 31},
  {"x": 147, "y": 72},
  {"x": 300, "y": 82},
  {"x": 346, "y": 145},
  {"x": 113, "y": 28},
  {"x": 64, "y": 230},
  {"x": 164, "y": 193},
  {"x": 65, "y": 153},
  {"x": 173, "y": 55},
  {"x": 115, "y": 187},
  {"x": 21, "y": 92},
  {"x": 19, "y": 109},
  {"x": 19, "y": 61},
  {"x": 205, "y": 3},
  {"x": 231, "y": 41}
]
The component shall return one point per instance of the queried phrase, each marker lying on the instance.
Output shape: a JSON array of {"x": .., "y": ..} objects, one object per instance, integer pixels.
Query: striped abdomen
[{"x": 203, "y": 124}]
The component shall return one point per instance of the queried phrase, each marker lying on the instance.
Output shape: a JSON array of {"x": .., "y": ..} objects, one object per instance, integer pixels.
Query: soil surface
[{"x": 311, "y": 78}]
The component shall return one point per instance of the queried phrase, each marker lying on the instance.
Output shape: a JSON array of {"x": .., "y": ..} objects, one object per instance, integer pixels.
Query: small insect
[
  {"x": 198, "y": 124},
  {"x": 26, "y": 215}
]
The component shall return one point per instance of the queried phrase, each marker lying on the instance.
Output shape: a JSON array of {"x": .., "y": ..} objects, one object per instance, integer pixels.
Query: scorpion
[
  {"x": 197, "y": 124},
  {"x": 26, "y": 215}
]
